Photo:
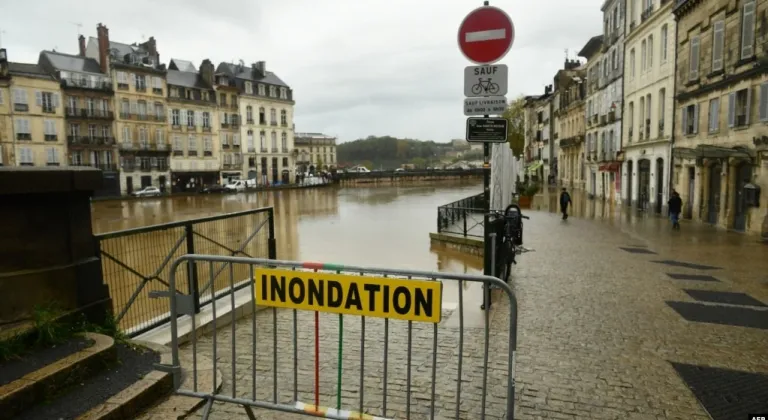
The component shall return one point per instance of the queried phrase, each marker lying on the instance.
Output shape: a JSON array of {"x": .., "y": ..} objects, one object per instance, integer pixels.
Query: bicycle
[
  {"x": 485, "y": 85},
  {"x": 510, "y": 246}
]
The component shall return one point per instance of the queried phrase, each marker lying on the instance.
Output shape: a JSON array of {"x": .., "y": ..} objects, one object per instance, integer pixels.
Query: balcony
[
  {"x": 103, "y": 166},
  {"x": 251, "y": 150},
  {"x": 273, "y": 123},
  {"x": 206, "y": 129},
  {"x": 263, "y": 150},
  {"x": 225, "y": 145},
  {"x": 250, "y": 121},
  {"x": 191, "y": 152},
  {"x": 103, "y": 85},
  {"x": 82, "y": 113},
  {"x": 161, "y": 146},
  {"x": 157, "y": 91},
  {"x": 51, "y": 137},
  {"x": 122, "y": 86},
  {"x": 49, "y": 109},
  {"x": 141, "y": 117},
  {"x": 236, "y": 145},
  {"x": 284, "y": 150},
  {"x": 274, "y": 150},
  {"x": 90, "y": 141},
  {"x": 262, "y": 121},
  {"x": 284, "y": 124},
  {"x": 646, "y": 13},
  {"x": 127, "y": 145},
  {"x": 141, "y": 88},
  {"x": 21, "y": 107},
  {"x": 238, "y": 165},
  {"x": 224, "y": 125},
  {"x": 129, "y": 167},
  {"x": 23, "y": 136}
]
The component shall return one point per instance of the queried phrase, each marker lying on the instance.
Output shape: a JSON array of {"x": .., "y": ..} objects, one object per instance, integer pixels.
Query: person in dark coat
[
  {"x": 675, "y": 204},
  {"x": 565, "y": 200}
]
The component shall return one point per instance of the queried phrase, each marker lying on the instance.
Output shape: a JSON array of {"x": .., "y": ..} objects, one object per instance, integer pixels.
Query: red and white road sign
[{"x": 486, "y": 35}]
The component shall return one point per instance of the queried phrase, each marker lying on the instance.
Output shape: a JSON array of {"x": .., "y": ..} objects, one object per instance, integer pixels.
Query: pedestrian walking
[
  {"x": 565, "y": 200},
  {"x": 675, "y": 204}
]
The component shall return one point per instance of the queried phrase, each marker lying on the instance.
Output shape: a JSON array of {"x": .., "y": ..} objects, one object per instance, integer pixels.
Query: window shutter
[
  {"x": 685, "y": 120},
  {"x": 199, "y": 118},
  {"x": 696, "y": 119},
  {"x": 183, "y": 116},
  {"x": 55, "y": 100},
  {"x": 763, "y": 107},
  {"x": 719, "y": 43},
  {"x": 133, "y": 79},
  {"x": 694, "y": 64},
  {"x": 716, "y": 116},
  {"x": 134, "y": 107},
  {"x": 748, "y": 30},
  {"x": 731, "y": 109},
  {"x": 39, "y": 97},
  {"x": 749, "y": 105}
]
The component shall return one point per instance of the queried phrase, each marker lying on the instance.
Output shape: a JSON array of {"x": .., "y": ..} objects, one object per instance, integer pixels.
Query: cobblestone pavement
[{"x": 595, "y": 337}]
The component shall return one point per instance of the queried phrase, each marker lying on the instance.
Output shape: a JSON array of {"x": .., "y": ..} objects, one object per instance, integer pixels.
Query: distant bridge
[{"x": 381, "y": 177}]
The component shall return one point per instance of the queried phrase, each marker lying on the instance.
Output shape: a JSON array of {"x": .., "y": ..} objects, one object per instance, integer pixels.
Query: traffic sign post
[
  {"x": 486, "y": 35},
  {"x": 486, "y": 80},
  {"x": 487, "y": 130},
  {"x": 489, "y": 105}
]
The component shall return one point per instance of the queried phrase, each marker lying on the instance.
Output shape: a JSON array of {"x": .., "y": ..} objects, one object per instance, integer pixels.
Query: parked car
[
  {"x": 148, "y": 192},
  {"x": 236, "y": 186},
  {"x": 399, "y": 170},
  {"x": 213, "y": 189}
]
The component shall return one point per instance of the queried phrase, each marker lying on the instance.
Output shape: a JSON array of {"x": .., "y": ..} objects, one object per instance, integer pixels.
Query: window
[
  {"x": 46, "y": 100},
  {"x": 615, "y": 60},
  {"x": 106, "y": 132},
  {"x": 272, "y": 91},
  {"x": 159, "y": 136},
  {"x": 718, "y": 44},
  {"x": 175, "y": 119},
  {"x": 192, "y": 145},
  {"x": 262, "y": 89},
  {"x": 650, "y": 52},
  {"x": 177, "y": 145},
  {"x": 26, "y": 156},
  {"x": 273, "y": 116},
  {"x": 251, "y": 145},
  {"x": 631, "y": 118},
  {"x": 143, "y": 137},
  {"x": 693, "y": 64},
  {"x": 142, "y": 110},
  {"x": 206, "y": 120},
  {"x": 643, "y": 55},
  {"x": 283, "y": 117},
  {"x": 23, "y": 131},
  {"x": 284, "y": 142},
  {"x": 126, "y": 134},
  {"x": 207, "y": 144},
  {"x": 274, "y": 142},
  {"x": 159, "y": 111},
  {"x": 249, "y": 88},
  {"x": 662, "y": 110},
  {"x": 222, "y": 99},
  {"x": 738, "y": 108},
  {"x": 92, "y": 131},
  {"x": 663, "y": 43},
  {"x": 283, "y": 93},
  {"x": 632, "y": 63},
  {"x": 141, "y": 82},
  {"x": 236, "y": 139},
  {"x": 714, "y": 115},
  {"x": 190, "y": 118},
  {"x": 691, "y": 119},
  {"x": 263, "y": 141},
  {"x": 763, "y": 106},
  {"x": 249, "y": 114},
  {"x": 748, "y": 29},
  {"x": 50, "y": 129},
  {"x": 262, "y": 116},
  {"x": 125, "y": 108}
]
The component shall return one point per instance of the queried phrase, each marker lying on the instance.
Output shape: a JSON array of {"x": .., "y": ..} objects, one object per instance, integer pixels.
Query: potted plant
[{"x": 526, "y": 195}]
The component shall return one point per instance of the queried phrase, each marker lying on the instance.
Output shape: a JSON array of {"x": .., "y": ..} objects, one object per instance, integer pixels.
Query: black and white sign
[
  {"x": 490, "y": 80},
  {"x": 491, "y": 105},
  {"x": 486, "y": 130}
]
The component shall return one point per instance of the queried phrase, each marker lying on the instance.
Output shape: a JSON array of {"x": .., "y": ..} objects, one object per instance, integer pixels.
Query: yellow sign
[{"x": 412, "y": 300}]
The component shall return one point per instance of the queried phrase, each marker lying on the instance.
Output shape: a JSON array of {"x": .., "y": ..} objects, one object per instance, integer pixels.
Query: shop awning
[
  {"x": 710, "y": 151},
  {"x": 535, "y": 166}
]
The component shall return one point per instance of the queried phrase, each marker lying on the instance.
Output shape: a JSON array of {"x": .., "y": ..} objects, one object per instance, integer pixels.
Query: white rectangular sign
[
  {"x": 488, "y": 80},
  {"x": 491, "y": 105}
]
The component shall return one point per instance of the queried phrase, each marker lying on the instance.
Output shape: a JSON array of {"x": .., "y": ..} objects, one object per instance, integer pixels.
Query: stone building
[
  {"x": 88, "y": 97},
  {"x": 269, "y": 134},
  {"x": 568, "y": 111},
  {"x": 233, "y": 151},
  {"x": 721, "y": 134},
  {"x": 315, "y": 152},
  {"x": 529, "y": 124},
  {"x": 31, "y": 116},
  {"x": 591, "y": 52},
  {"x": 194, "y": 133},
  {"x": 140, "y": 90},
  {"x": 542, "y": 149},
  {"x": 649, "y": 106}
]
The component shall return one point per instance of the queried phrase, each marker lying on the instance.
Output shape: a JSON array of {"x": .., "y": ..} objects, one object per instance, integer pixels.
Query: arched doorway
[
  {"x": 644, "y": 183},
  {"x": 312, "y": 169},
  {"x": 713, "y": 198},
  {"x": 630, "y": 170},
  {"x": 659, "y": 184},
  {"x": 743, "y": 177}
]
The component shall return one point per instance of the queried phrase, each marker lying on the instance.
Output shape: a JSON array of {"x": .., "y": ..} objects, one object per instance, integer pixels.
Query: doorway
[
  {"x": 691, "y": 184},
  {"x": 644, "y": 183},
  {"x": 659, "y": 184},
  {"x": 146, "y": 181},
  {"x": 630, "y": 169},
  {"x": 743, "y": 176},
  {"x": 713, "y": 199},
  {"x": 161, "y": 180},
  {"x": 129, "y": 185}
]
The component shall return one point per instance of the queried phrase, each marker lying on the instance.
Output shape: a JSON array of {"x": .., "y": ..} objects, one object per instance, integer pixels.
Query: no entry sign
[{"x": 486, "y": 35}]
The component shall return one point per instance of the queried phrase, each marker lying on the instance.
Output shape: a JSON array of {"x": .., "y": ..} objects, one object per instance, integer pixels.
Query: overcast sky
[{"x": 357, "y": 67}]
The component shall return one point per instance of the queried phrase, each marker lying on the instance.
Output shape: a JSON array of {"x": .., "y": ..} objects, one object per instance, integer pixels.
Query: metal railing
[
  {"x": 135, "y": 262},
  {"x": 462, "y": 217},
  {"x": 378, "y": 358}
]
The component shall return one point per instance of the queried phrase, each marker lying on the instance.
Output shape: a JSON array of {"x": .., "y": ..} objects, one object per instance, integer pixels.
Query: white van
[{"x": 236, "y": 186}]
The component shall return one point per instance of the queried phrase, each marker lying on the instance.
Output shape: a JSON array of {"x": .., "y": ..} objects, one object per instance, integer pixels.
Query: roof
[
  {"x": 29, "y": 70},
  {"x": 69, "y": 62},
  {"x": 246, "y": 73},
  {"x": 592, "y": 46},
  {"x": 182, "y": 65},
  {"x": 186, "y": 79},
  {"x": 313, "y": 135}
]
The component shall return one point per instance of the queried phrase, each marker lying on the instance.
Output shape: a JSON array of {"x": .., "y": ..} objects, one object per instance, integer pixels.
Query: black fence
[
  {"x": 462, "y": 217},
  {"x": 435, "y": 173},
  {"x": 136, "y": 262}
]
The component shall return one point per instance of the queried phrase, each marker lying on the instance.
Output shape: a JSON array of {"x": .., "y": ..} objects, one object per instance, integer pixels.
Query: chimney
[
  {"x": 103, "y": 37},
  {"x": 81, "y": 41},
  {"x": 206, "y": 71},
  {"x": 3, "y": 62},
  {"x": 152, "y": 49},
  {"x": 262, "y": 66}
]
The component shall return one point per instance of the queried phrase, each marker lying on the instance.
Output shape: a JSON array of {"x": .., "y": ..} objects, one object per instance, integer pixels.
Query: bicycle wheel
[
  {"x": 493, "y": 88},
  {"x": 510, "y": 251},
  {"x": 476, "y": 89}
]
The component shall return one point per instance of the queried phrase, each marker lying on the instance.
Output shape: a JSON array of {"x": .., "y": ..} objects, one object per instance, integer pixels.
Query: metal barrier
[
  {"x": 462, "y": 217},
  {"x": 136, "y": 262},
  {"x": 373, "y": 340}
]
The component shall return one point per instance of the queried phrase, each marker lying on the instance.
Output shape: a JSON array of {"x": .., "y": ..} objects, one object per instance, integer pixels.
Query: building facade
[
  {"x": 540, "y": 128},
  {"x": 31, "y": 116},
  {"x": 140, "y": 90},
  {"x": 649, "y": 84},
  {"x": 269, "y": 134},
  {"x": 568, "y": 111},
  {"x": 721, "y": 134},
  {"x": 238, "y": 159},
  {"x": 592, "y": 52},
  {"x": 315, "y": 152},
  {"x": 194, "y": 133},
  {"x": 88, "y": 97}
]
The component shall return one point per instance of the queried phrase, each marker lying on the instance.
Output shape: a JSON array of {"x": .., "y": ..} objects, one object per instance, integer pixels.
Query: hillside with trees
[{"x": 389, "y": 152}]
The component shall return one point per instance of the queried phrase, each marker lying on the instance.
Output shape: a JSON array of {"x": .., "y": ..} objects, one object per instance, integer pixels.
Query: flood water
[{"x": 383, "y": 226}]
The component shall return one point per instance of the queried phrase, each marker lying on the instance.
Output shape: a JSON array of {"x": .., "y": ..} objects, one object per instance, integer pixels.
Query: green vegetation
[
  {"x": 51, "y": 327},
  {"x": 389, "y": 152},
  {"x": 515, "y": 114}
]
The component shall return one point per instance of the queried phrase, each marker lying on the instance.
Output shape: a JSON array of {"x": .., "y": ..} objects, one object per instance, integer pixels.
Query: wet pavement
[{"x": 600, "y": 320}]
